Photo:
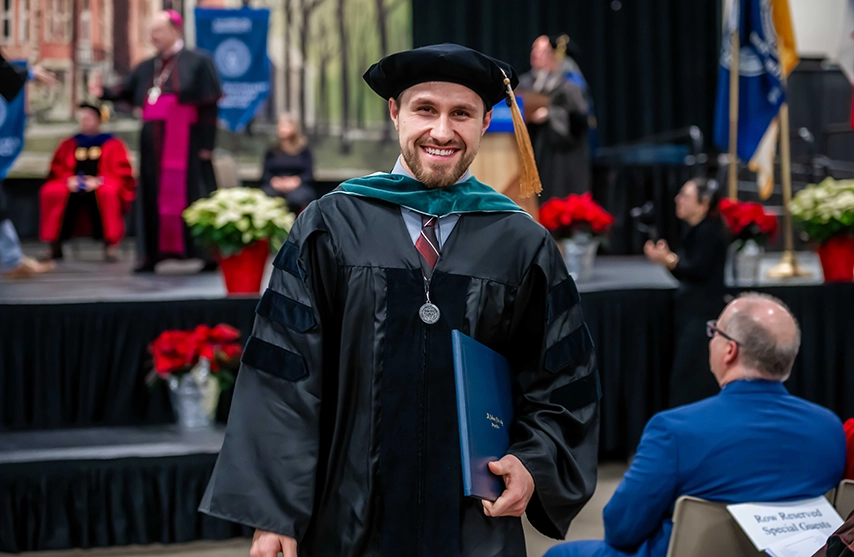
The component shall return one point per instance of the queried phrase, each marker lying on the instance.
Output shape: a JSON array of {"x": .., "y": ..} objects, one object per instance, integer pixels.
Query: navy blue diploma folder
[{"x": 484, "y": 412}]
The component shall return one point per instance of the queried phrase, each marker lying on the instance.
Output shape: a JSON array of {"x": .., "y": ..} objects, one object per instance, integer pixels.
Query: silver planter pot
[
  {"x": 194, "y": 397},
  {"x": 745, "y": 259},
  {"x": 579, "y": 254}
]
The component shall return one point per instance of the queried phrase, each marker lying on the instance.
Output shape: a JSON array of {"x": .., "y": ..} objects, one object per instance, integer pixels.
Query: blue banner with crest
[{"x": 237, "y": 41}]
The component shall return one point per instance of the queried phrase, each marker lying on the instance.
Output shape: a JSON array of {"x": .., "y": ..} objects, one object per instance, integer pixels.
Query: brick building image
[{"x": 74, "y": 38}]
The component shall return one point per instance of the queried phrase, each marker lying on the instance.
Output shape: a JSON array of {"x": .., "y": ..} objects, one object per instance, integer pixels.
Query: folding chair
[
  {"x": 705, "y": 529},
  {"x": 844, "y": 502}
]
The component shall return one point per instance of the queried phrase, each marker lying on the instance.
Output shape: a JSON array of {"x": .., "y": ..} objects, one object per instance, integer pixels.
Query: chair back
[
  {"x": 225, "y": 170},
  {"x": 844, "y": 502},
  {"x": 705, "y": 529}
]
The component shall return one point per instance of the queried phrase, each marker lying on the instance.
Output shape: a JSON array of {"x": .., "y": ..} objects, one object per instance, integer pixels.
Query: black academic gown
[
  {"x": 196, "y": 82},
  {"x": 343, "y": 430},
  {"x": 699, "y": 298},
  {"x": 561, "y": 145}
]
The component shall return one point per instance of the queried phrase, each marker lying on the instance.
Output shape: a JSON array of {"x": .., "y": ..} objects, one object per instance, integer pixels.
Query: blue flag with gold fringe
[
  {"x": 13, "y": 120},
  {"x": 760, "y": 89}
]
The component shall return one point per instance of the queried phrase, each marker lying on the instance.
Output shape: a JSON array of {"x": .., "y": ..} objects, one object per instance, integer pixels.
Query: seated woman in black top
[
  {"x": 699, "y": 267},
  {"x": 288, "y": 167}
]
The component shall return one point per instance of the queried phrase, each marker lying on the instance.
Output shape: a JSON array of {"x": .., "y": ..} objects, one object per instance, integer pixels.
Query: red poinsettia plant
[
  {"x": 576, "y": 214},
  {"x": 176, "y": 352},
  {"x": 748, "y": 221}
]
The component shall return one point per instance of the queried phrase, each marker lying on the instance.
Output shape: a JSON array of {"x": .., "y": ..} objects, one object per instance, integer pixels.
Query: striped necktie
[{"x": 427, "y": 244}]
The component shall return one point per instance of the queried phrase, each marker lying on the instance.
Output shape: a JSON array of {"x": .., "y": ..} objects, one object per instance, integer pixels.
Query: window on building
[
  {"x": 58, "y": 21},
  {"x": 23, "y": 22},
  {"x": 7, "y": 21},
  {"x": 85, "y": 26}
]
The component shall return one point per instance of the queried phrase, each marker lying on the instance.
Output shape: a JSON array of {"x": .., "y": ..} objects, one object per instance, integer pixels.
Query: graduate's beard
[{"x": 435, "y": 177}]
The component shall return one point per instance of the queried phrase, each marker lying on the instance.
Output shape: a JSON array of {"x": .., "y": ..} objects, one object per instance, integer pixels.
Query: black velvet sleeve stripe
[
  {"x": 578, "y": 394},
  {"x": 562, "y": 297},
  {"x": 285, "y": 311},
  {"x": 288, "y": 259},
  {"x": 574, "y": 349},
  {"x": 274, "y": 360}
]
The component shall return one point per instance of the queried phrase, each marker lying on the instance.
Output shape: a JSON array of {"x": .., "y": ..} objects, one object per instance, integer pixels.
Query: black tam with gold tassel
[{"x": 493, "y": 80}]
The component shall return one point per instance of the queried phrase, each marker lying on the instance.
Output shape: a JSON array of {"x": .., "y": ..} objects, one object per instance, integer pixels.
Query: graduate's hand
[
  {"x": 290, "y": 183},
  {"x": 519, "y": 488},
  {"x": 540, "y": 115},
  {"x": 285, "y": 184},
  {"x": 71, "y": 183},
  {"x": 92, "y": 183},
  {"x": 268, "y": 544},
  {"x": 205, "y": 154}
]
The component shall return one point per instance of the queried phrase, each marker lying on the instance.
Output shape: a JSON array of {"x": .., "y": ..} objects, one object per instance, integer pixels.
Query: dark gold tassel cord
[{"x": 529, "y": 177}]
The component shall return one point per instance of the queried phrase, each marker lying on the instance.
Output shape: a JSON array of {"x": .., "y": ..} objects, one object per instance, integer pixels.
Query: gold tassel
[
  {"x": 562, "y": 43},
  {"x": 105, "y": 114},
  {"x": 529, "y": 177}
]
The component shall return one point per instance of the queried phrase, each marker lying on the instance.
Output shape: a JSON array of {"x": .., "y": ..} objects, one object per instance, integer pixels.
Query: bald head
[
  {"x": 767, "y": 333},
  {"x": 543, "y": 55},
  {"x": 164, "y": 31}
]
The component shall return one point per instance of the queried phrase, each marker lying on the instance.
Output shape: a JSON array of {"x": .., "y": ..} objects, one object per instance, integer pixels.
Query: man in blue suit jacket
[{"x": 753, "y": 442}]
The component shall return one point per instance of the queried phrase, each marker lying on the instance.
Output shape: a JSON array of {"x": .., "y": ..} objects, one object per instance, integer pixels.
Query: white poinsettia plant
[
  {"x": 825, "y": 210},
  {"x": 233, "y": 218}
]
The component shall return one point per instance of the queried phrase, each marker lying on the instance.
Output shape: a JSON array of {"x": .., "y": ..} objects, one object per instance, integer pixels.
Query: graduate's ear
[
  {"x": 394, "y": 112},
  {"x": 487, "y": 118}
]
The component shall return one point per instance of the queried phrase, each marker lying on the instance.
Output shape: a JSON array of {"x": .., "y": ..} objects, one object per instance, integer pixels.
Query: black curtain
[
  {"x": 620, "y": 188},
  {"x": 53, "y": 375},
  {"x": 78, "y": 365},
  {"x": 633, "y": 334},
  {"x": 651, "y": 64},
  {"x": 64, "y": 504}
]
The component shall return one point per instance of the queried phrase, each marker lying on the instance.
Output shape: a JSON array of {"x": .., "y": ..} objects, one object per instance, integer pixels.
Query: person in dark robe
[
  {"x": 573, "y": 73},
  {"x": 343, "y": 437},
  {"x": 13, "y": 263},
  {"x": 699, "y": 267},
  {"x": 288, "y": 167},
  {"x": 559, "y": 129},
  {"x": 90, "y": 188},
  {"x": 177, "y": 91}
]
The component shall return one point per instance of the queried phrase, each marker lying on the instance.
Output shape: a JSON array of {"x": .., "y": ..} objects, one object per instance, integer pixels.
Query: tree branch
[
  {"x": 392, "y": 7},
  {"x": 312, "y": 6}
]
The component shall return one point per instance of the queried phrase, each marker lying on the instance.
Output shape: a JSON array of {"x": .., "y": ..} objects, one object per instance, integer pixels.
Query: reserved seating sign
[{"x": 767, "y": 524}]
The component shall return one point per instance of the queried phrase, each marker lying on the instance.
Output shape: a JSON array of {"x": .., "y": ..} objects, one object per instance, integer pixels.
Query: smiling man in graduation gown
[
  {"x": 343, "y": 436},
  {"x": 90, "y": 187},
  {"x": 177, "y": 91}
]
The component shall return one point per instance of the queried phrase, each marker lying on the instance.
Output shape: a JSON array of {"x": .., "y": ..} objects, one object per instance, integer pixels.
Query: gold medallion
[
  {"x": 81, "y": 153},
  {"x": 94, "y": 153}
]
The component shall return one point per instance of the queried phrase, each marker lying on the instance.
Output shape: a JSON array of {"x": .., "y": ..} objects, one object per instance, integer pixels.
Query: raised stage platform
[
  {"x": 100, "y": 487},
  {"x": 74, "y": 358}
]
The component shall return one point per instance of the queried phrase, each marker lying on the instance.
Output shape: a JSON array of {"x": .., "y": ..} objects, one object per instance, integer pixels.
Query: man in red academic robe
[
  {"x": 89, "y": 189},
  {"x": 177, "y": 91}
]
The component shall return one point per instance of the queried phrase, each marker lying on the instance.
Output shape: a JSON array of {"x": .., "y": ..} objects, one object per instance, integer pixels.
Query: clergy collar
[
  {"x": 176, "y": 48},
  {"x": 401, "y": 170}
]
